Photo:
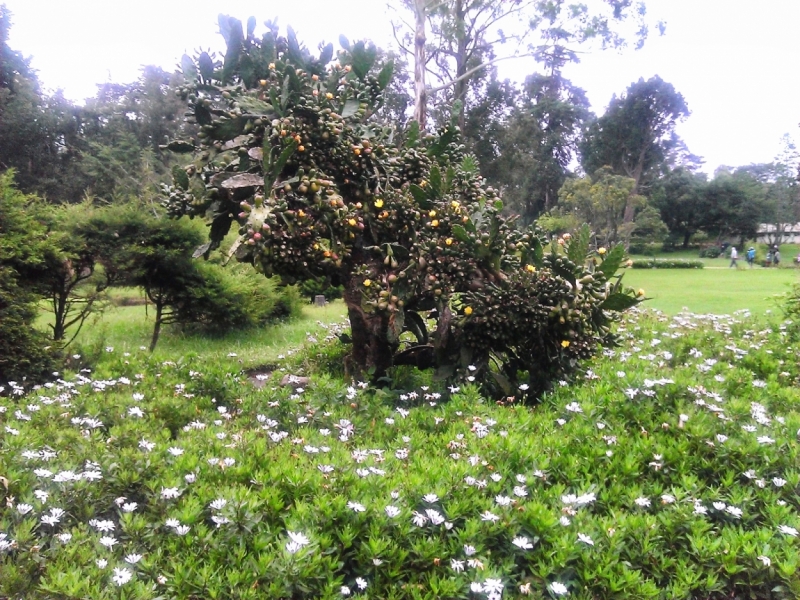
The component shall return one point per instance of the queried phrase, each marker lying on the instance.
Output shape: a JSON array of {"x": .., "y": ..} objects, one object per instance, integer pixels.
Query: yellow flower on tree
[
  {"x": 435, "y": 223},
  {"x": 367, "y": 283},
  {"x": 530, "y": 268},
  {"x": 565, "y": 344},
  {"x": 449, "y": 241},
  {"x": 379, "y": 203},
  {"x": 352, "y": 222},
  {"x": 468, "y": 311},
  {"x": 601, "y": 250},
  {"x": 640, "y": 293}
]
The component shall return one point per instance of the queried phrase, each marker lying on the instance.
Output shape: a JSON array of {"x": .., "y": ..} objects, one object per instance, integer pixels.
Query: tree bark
[
  {"x": 372, "y": 353},
  {"x": 460, "y": 94},
  {"x": 630, "y": 209},
  {"x": 157, "y": 326},
  {"x": 420, "y": 59}
]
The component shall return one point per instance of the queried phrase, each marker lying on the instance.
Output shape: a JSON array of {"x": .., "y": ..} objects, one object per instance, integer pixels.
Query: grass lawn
[
  {"x": 127, "y": 328},
  {"x": 712, "y": 290}
]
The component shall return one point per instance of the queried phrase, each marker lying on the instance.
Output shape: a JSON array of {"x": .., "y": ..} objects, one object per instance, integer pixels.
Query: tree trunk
[
  {"x": 630, "y": 209},
  {"x": 157, "y": 326},
  {"x": 372, "y": 353},
  {"x": 460, "y": 92},
  {"x": 686, "y": 238},
  {"x": 59, "y": 317},
  {"x": 420, "y": 92}
]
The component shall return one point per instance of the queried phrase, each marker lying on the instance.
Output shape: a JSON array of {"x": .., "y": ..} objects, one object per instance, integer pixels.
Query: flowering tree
[{"x": 291, "y": 152}]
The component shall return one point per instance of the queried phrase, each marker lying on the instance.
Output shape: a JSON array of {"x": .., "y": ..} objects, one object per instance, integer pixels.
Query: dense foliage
[
  {"x": 290, "y": 152},
  {"x": 24, "y": 352},
  {"x": 140, "y": 250},
  {"x": 666, "y": 263}
]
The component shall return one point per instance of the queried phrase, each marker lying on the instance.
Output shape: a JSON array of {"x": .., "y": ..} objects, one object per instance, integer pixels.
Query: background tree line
[{"x": 530, "y": 138}]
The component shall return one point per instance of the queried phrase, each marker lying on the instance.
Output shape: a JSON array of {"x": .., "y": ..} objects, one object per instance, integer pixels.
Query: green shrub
[
  {"x": 711, "y": 252},
  {"x": 26, "y": 355},
  {"x": 24, "y": 352},
  {"x": 291, "y": 154},
  {"x": 666, "y": 263}
]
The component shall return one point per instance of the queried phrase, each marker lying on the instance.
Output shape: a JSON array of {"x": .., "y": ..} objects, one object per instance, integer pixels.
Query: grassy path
[{"x": 713, "y": 290}]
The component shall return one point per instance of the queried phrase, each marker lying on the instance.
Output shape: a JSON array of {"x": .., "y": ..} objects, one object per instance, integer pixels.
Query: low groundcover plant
[{"x": 668, "y": 469}]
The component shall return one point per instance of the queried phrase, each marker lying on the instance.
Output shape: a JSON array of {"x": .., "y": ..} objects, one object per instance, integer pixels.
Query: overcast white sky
[{"x": 735, "y": 61}]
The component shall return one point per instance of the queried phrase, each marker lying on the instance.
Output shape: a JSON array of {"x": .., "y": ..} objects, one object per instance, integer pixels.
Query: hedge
[{"x": 668, "y": 263}]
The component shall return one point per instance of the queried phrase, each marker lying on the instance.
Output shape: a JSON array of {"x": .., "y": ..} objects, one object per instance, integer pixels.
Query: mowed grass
[
  {"x": 129, "y": 328},
  {"x": 713, "y": 290}
]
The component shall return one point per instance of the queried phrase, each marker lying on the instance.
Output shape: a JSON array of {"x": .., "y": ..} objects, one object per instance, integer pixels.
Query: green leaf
[
  {"x": 503, "y": 382},
  {"x": 281, "y": 162},
  {"x": 344, "y": 42},
  {"x": 295, "y": 55},
  {"x": 276, "y": 103},
  {"x": 206, "y": 66},
  {"x": 579, "y": 246},
  {"x": 534, "y": 252},
  {"x": 421, "y": 196},
  {"x": 461, "y": 234},
  {"x": 326, "y": 55},
  {"x": 612, "y": 261},
  {"x": 416, "y": 325},
  {"x": 619, "y": 302},
  {"x": 385, "y": 76},
  {"x": 363, "y": 58},
  {"x": 268, "y": 47},
  {"x": 395, "y": 330},
  {"x": 179, "y": 146},
  {"x": 255, "y": 106},
  {"x": 350, "y": 108},
  {"x": 220, "y": 227},
  {"x": 294, "y": 81},
  {"x": 562, "y": 271},
  {"x": 440, "y": 145},
  {"x": 235, "y": 44},
  {"x": 188, "y": 67},
  {"x": 224, "y": 26},
  {"x": 412, "y": 137},
  {"x": 202, "y": 115},
  {"x": 285, "y": 91},
  {"x": 436, "y": 181},
  {"x": 180, "y": 177},
  {"x": 227, "y": 129}
]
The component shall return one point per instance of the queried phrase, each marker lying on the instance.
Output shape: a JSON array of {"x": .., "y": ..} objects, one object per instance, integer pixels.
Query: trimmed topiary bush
[{"x": 666, "y": 263}]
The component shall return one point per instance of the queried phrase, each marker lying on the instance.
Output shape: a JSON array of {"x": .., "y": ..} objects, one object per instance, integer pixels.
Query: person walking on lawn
[
  {"x": 734, "y": 256},
  {"x": 751, "y": 256}
]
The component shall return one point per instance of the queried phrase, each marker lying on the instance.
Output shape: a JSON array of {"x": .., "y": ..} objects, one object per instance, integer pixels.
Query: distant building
[{"x": 768, "y": 233}]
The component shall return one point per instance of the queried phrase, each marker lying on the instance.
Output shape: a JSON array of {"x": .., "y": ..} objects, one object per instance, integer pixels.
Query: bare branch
[{"x": 471, "y": 72}]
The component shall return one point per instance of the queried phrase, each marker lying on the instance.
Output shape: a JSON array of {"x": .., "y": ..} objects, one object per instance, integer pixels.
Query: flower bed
[{"x": 669, "y": 470}]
